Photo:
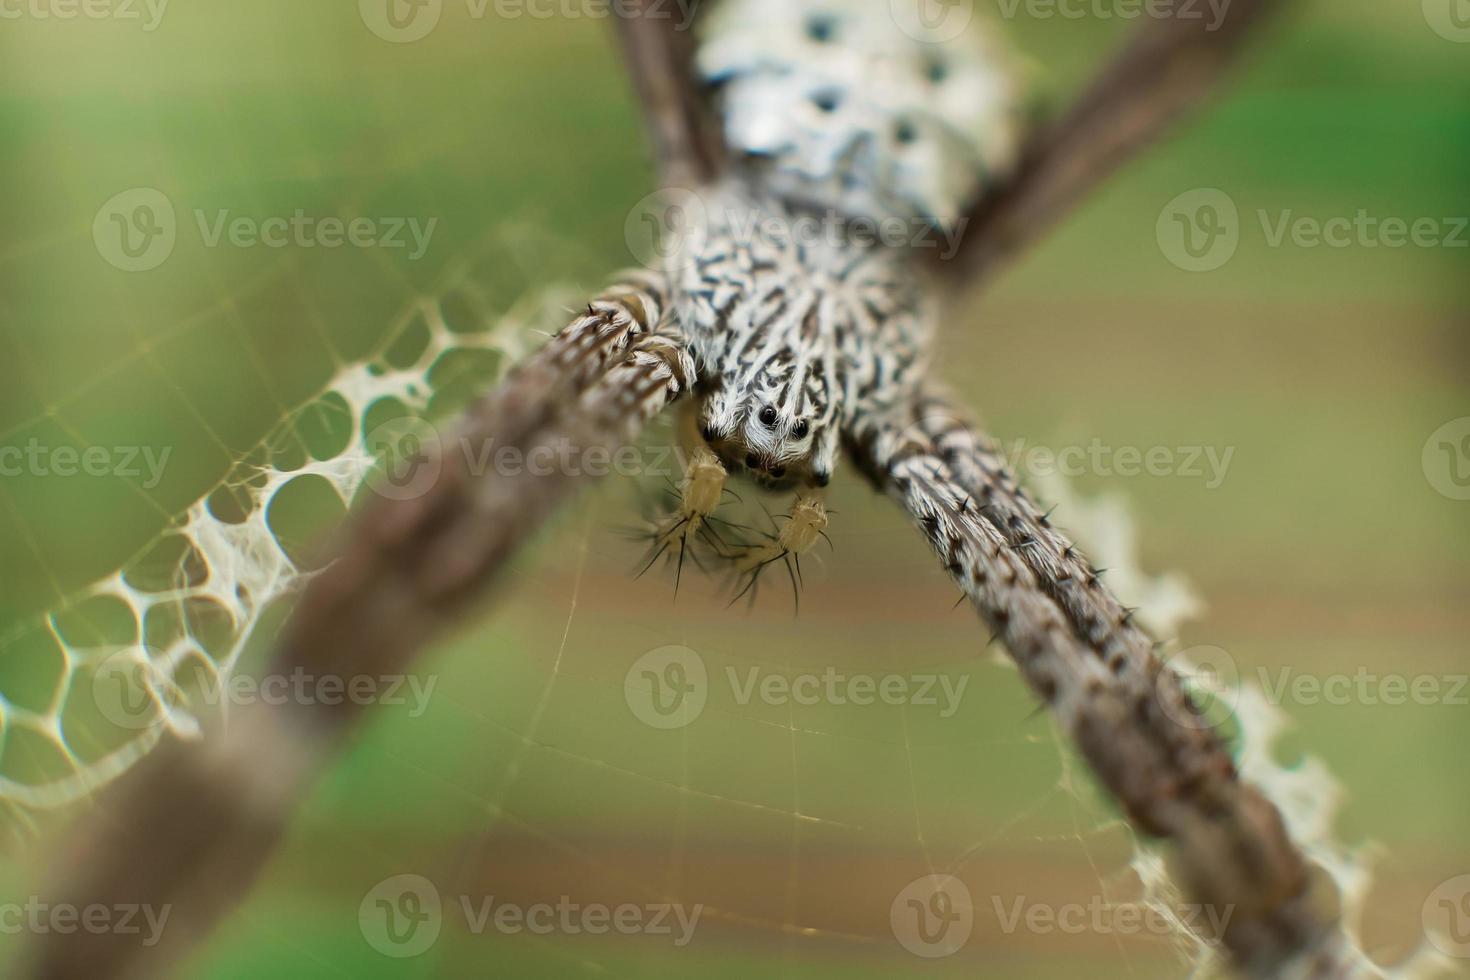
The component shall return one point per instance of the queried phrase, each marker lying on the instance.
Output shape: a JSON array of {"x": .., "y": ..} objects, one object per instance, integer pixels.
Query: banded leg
[
  {"x": 1126, "y": 711},
  {"x": 1061, "y": 569},
  {"x": 699, "y": 493},
  {"x": 574, "y": 358},
  {"x": 804, "y": 527}
]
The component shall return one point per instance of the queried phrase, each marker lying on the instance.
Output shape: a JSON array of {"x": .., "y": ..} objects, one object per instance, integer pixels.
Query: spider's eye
[
  {"x": 768, "y": 417},
  {"x": 827, "y": 101},
  {"x": 708, "y": 432},
  {"x": 937, "y": 71},
  {"x": 801, "y": 429},
  {"x": 905, "y": 132},
  {"x": 821, "y": 28}
]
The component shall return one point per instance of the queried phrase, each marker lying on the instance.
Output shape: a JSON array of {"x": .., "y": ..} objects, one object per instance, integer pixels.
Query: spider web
[{"x": 130, "y": 651}]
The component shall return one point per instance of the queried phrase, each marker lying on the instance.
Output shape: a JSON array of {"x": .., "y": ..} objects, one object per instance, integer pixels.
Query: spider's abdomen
[{"x": 845, "y": 104}]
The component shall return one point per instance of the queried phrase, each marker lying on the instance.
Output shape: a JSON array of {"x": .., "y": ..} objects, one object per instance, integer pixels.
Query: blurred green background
[{"x": 1325, "y": 550}]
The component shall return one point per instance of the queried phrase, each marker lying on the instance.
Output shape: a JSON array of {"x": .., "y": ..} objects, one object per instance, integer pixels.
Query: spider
[{"x": 798, "y": 347}]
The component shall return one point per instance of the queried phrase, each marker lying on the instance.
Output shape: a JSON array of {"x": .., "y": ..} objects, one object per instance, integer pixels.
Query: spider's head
[
  {"x": 783, "y": 436},
  {"x": 864, "y": 107}
]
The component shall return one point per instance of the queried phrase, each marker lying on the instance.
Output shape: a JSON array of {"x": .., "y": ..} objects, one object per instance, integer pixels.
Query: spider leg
[
  {"x": 679, "y": 568},
  {"x": 795, "y": 586},
  {"x": 1078, "y": 649},
  {"x": 696, "y": 497},
  {"x": 803, "y": 526}
]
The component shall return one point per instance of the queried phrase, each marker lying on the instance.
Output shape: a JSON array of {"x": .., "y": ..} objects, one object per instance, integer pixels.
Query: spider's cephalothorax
[
  {"x": 854, "y": 134},
  {"x": 794, "y": 329}
]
